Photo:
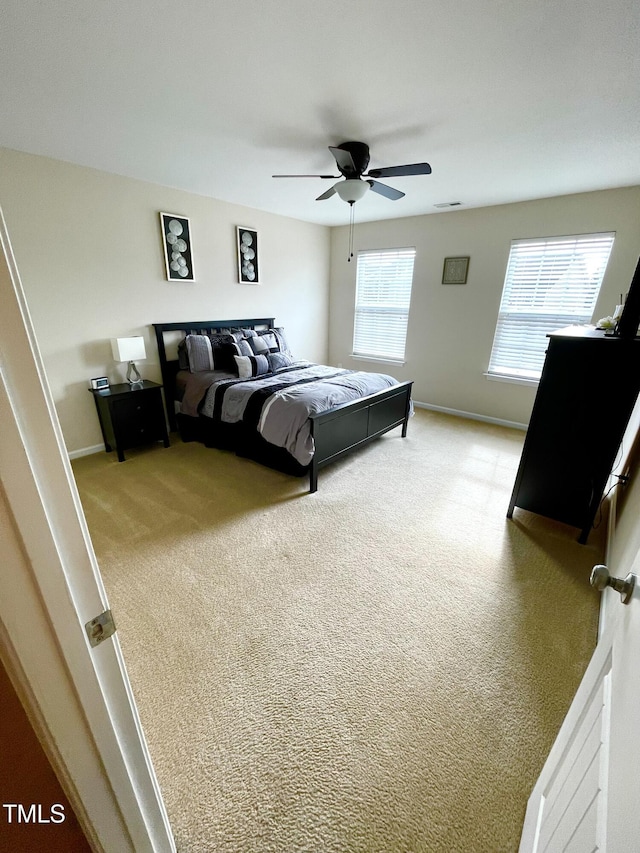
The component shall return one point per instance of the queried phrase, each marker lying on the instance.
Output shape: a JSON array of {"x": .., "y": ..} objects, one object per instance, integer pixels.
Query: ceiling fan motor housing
[{"x": 359, "y": 152}]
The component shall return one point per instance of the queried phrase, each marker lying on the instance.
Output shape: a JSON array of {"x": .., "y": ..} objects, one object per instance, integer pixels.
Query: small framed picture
[
  {"x": 455, "y": 270},
  {"x": 248, "y": 268},
  {"x": 176, "y": 240}
]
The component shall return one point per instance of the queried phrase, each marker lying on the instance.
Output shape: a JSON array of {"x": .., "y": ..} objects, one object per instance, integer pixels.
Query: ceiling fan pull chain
[{"x": 351, "y": 221}]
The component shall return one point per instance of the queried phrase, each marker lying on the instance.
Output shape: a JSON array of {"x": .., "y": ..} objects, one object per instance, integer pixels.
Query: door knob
[{"x": 601, "y": 579}]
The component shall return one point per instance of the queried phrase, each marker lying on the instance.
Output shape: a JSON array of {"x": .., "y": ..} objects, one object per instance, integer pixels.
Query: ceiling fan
[{"x": 352, "y": 159}]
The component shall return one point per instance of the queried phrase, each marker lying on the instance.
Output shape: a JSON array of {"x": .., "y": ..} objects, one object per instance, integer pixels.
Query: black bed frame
[{"x": 335, "y": 432}]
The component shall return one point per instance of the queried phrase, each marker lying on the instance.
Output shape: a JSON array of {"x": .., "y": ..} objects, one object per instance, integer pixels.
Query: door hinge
[{"x": 100, "y": 628}]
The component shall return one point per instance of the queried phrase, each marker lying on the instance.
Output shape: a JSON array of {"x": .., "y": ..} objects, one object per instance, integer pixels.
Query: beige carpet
[{"x": 380, "y": 667}]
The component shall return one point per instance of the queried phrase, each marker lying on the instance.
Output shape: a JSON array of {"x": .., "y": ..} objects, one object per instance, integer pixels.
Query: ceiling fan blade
[
  {"x": 400, "y": 171},
  {"x": 327, "y": 194},
  {"x": 343, "y": 159},
  {"x": 324, "y": 177},
  {"x": 383, "y": 189}
]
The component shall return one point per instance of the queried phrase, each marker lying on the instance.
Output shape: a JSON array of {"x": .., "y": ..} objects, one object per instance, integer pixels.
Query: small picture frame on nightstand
[{"x": 100, "y": 383}]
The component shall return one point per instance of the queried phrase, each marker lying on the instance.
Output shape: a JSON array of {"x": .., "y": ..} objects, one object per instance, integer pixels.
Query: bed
[{"x": 224, "y": 389}]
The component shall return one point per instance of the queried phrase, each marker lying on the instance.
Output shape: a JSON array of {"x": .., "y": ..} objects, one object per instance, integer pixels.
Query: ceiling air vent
[{"x": 448, "y": 204}]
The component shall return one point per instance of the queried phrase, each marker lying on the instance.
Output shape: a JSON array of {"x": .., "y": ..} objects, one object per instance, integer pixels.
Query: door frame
[{"x": 78, "y": 698}]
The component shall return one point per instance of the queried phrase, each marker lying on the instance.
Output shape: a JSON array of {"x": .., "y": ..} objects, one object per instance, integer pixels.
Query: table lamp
[{"x": 128, "y": 349}]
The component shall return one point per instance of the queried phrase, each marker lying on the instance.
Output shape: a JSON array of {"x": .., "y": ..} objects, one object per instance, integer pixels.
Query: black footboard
[{"x": 338, "y": 431}]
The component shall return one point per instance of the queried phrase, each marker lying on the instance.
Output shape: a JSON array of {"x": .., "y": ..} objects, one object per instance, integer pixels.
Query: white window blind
[
  {"x": 550, "y": 283},
  {"x": 383, "y": 295}
]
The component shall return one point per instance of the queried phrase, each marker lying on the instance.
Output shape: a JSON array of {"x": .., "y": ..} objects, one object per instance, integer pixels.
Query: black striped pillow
[{"x": 251, "y": 365}]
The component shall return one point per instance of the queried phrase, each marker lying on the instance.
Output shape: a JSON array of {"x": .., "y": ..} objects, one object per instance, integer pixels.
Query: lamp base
[{"x": 133, "y": 375}]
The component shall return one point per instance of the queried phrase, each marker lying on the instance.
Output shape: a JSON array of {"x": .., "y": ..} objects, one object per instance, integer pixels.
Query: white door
[
  {"x": 78, "y": 698},
  {"x": 587, "y": 797}
]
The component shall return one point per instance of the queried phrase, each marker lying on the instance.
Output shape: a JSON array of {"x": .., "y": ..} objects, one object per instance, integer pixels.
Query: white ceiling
[{"x": 506, "y": 99}]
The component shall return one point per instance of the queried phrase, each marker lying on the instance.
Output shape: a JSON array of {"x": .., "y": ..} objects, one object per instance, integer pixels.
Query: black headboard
[{"x": 170, "y": 366}]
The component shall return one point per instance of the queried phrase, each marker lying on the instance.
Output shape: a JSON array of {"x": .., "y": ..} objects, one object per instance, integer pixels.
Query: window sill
[
  {"x": 514, "y": 380},
  {"x": 378, "y": 359}
]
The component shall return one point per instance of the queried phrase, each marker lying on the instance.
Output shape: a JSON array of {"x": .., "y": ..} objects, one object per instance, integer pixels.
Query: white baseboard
[
  {"x": 98, "y": 448},
  {"x": 85, "y": 451},
  {"x": 470, "y": 415}
]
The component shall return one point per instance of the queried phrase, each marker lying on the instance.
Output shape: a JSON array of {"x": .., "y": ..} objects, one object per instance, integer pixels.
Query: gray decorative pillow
[
  {"x": 283, "y": 344},
  {"x": 264, "y": 343},
  {"x": 199, "y": 353},
  {"x": 278, "y": 360},
  {"x": 254, "y": 365},
  {"x": 244, "y": 347},
  {"x": 258, "y": 345}
]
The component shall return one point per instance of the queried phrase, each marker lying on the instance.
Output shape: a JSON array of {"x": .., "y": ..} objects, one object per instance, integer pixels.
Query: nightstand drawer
[
  {"x": 138, "y": 415},
  {"x": 138, "y": 418}
]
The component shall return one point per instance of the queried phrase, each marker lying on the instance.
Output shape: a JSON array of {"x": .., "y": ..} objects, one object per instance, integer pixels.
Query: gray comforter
[{"x": 280, "y": 403}]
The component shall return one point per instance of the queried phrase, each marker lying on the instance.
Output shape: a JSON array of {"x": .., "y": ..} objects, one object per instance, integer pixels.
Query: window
[
  {"x": 383, "y": 294},
  {"x": 550, "y": 283}
]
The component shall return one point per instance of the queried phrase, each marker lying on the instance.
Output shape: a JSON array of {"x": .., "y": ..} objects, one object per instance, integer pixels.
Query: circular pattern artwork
[
  {"x": 247, "y": 256},
  {"x": 177, "y": 247}
]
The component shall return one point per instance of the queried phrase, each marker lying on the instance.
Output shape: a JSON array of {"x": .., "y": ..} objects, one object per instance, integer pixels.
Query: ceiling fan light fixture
[{"x": 351, "y": 190}]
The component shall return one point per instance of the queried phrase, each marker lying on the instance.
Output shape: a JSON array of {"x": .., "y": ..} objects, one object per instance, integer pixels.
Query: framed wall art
[
  {"x": 176, "y": 240},
  {"x": 455, "y": 270},
  {"x": 248, "y": 268}
]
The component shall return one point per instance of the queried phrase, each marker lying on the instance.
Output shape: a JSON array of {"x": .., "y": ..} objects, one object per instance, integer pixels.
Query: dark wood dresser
[{"x": 587, "y": 391}]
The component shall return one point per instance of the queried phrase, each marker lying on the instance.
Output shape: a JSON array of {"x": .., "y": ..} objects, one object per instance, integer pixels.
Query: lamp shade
[
  {"x": 128, "y": 349},
  {"x": 352, "y": 189}
]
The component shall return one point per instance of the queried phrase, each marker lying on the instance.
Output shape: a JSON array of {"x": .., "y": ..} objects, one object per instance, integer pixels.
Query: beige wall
[
  {"x": 89, "y": 253},
  {"x": 88, "y": 249},
  {"x": 451, "y": 327}
]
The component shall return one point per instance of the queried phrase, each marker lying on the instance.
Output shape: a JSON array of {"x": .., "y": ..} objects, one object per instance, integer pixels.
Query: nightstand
[{"x": 131, "y": 416}]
